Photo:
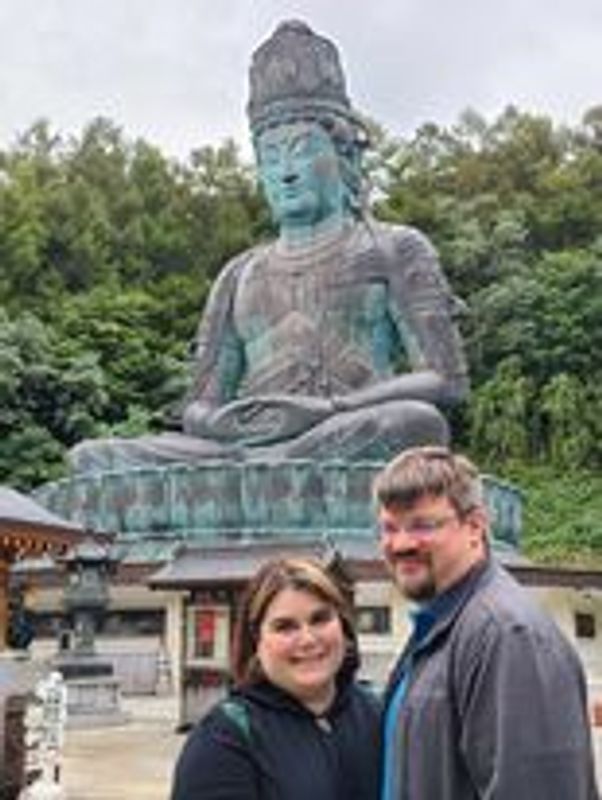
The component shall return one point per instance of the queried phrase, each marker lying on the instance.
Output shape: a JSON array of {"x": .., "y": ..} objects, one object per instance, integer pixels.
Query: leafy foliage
[
  {"x": 562, "y": 514},
  {"x": 50, "y": 398}
]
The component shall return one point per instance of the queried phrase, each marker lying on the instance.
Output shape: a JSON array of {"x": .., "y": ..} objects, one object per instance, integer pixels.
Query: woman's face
[{"x": 301, "y": 646}]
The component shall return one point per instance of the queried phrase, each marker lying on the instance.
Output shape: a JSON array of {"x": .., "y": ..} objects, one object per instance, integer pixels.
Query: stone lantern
[
  {"x": 85, "y": 600},
  {"x": 93, "y": 695}
]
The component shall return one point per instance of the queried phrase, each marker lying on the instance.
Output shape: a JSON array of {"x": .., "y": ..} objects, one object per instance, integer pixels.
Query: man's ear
[{"x": 478, "y": 522}]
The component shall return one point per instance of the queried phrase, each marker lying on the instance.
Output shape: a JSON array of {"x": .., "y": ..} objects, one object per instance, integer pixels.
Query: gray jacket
[{"x": 495, "y": 706}]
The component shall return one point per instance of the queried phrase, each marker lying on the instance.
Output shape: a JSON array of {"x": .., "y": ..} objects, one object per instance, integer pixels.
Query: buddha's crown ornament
[{"x": 296, "y": 74}]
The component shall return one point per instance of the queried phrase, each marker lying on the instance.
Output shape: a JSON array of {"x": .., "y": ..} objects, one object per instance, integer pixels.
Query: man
[
  {"x": 301, "y": 341},
  {"x": 488, "y": 699}
]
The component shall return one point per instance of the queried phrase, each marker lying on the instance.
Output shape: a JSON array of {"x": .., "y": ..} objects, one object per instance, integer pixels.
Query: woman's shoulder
[
  {"x": 233, "y": 713},
  {"x": 225, "y": 723},
  {"x": 215, "y": 761}
]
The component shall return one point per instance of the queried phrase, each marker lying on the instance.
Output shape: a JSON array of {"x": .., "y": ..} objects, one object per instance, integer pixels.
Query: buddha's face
[{"x": 300, "y": 173}]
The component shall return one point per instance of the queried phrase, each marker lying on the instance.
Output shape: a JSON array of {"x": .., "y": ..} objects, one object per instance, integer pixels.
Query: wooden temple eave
[
  {"x": 15, "y": 548},
  {"x": 21, "y": 539},
  {"x": 31, "y": 538}
]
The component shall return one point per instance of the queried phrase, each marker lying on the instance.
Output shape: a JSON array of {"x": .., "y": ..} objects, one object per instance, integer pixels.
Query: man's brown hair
[{"x": 429, "y": 471}]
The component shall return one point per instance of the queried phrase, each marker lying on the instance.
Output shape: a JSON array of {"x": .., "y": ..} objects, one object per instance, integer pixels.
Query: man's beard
[{"x": 422, "y": 590}]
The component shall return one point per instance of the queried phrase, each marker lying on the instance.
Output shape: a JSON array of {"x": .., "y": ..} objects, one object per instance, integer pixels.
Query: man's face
[
  {"x": 299, "y": 170},
  {"x": 428, "y": 547}
]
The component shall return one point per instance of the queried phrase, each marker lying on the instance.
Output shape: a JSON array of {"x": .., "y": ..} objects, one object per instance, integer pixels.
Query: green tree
[
  {"x": 49, "y": 399},
  {"x": 23, "y": 236},
  {"x": 143, "y": 365},
  {"x": 564, "y": 404},
  {"x": 499, "y": 415}
]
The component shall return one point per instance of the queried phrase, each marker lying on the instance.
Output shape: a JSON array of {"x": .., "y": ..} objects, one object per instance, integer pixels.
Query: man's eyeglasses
[{"x": 419, "y": 527}]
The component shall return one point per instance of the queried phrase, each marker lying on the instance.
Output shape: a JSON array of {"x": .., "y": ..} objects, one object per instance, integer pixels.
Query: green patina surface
[{"x": 153, "y": 510}]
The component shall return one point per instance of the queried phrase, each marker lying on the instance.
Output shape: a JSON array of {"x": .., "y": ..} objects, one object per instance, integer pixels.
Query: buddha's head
[{"x": 308, "y": 140}]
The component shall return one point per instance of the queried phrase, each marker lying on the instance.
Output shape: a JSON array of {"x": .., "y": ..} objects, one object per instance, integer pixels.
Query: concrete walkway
[
  {"x": 135, "y": 761},
  {"x": 132, "y": 761}
]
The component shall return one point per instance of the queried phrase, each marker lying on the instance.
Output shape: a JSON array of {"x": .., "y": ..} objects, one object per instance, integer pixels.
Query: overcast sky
[{"x": 175, "y": 71}]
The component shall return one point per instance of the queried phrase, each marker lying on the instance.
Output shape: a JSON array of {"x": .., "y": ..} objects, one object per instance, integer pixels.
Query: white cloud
[{"x": 174, "y": 71}]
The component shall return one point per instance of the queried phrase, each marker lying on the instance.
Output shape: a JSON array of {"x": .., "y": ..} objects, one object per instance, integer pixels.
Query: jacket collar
[
  {"x": 269, "y": 695},
  {"x": 436, "y": 617}
]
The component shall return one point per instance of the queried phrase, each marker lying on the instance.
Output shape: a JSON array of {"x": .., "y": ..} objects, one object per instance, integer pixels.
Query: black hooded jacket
[{"x": 280, "y": 751}]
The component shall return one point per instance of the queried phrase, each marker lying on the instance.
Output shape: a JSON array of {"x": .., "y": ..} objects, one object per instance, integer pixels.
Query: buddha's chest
[{"x": 341, "y": 301}]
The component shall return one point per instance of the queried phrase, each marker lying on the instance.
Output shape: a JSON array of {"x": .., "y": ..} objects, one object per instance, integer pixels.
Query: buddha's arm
[
  {"x": 266, "y": 419},
  {"x": 428, "y": 386},
  {"x": 220, "y": 367},
  {"x": 219, "y": 358},
  {"x": 422, "y": 307},
  {"x": 271, "y": 418}
]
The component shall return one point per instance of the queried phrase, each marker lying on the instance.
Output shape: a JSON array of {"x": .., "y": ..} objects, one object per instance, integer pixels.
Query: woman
[{"x": 295, "y": 727}]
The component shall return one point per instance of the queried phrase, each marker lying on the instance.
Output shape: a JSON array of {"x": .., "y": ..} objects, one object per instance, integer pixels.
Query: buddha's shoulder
[
  {"x": 231, "y": 272},
  {"x": 402, "y": 241}
]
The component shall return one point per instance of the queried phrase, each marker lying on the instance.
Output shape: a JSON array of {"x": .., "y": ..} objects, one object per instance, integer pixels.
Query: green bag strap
[{"x": 238, "y": 714}]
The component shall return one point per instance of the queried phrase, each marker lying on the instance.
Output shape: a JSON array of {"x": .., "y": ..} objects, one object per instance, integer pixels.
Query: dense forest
[{"x": 108, "y": 249}]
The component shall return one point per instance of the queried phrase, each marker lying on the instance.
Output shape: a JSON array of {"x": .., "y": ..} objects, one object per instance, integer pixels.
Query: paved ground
[{"x": 134, "y": 761}]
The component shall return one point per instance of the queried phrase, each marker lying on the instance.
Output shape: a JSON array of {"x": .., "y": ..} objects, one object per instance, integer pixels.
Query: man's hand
[{"x": 266, "y": 419}]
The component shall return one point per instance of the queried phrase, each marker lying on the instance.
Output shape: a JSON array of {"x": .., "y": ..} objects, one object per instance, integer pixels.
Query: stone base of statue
[
  {"x": 94, "y": 703},
  {"x": 156, "y": 509},
  {"x": 93, "y": 692}
]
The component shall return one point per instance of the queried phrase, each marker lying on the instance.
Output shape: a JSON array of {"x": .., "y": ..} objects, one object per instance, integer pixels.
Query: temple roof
[
  {"x": 28, "y": 528},
  {"x": 195, "y": 566},
  {"x": 17, "y": 507},
  {"x": 236, "y": 562}
]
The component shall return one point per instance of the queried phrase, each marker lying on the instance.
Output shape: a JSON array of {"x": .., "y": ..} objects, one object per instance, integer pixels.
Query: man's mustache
[{"x": 409, "y": 554}]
